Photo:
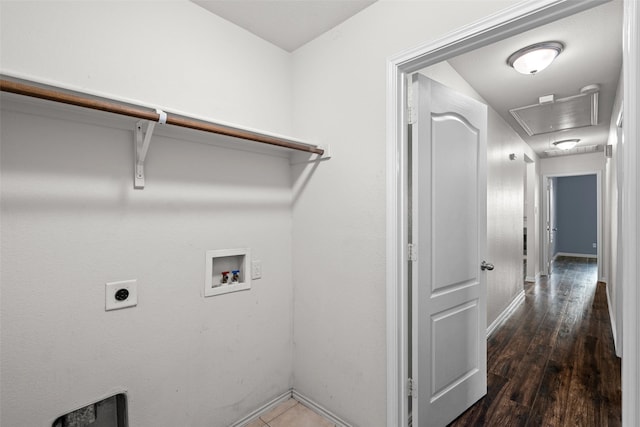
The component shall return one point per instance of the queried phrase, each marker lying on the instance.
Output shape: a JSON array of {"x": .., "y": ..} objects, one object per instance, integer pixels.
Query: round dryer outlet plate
[{"x": 121, "y": 295}]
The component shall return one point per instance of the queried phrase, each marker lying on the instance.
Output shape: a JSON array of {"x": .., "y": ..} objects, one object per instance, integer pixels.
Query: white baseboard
[
  {"x": 575, "y": 255},
  {"x": 291, "y": 393},
  {"x": 506, "y": 313},
  {"x": 319, "y": 409},
  {"x": 263, "y": 409},
  {"x": 530, "y": 279},
  {"x": 614, "y": 328}
]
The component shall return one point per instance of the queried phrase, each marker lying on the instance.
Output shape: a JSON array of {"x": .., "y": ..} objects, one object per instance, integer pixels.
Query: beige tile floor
[{"x": 291, "y": 414}]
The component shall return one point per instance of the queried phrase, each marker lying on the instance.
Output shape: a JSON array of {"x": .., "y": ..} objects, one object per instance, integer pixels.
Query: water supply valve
[
  {"x": 236, "y": 276},
  {"x": 225, "y": 277}
]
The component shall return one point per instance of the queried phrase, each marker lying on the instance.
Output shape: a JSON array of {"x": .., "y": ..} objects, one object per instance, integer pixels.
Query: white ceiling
[
  {"x": 592, "y": 54},
  {"x": 288, "y": 24}
]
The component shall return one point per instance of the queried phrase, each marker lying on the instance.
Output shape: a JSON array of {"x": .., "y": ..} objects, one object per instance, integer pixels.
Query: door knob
[{"x": 486, "y": 266}]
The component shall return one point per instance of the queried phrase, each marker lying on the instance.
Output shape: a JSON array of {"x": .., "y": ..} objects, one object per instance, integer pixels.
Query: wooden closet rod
[{"x": 141, "y": 113}]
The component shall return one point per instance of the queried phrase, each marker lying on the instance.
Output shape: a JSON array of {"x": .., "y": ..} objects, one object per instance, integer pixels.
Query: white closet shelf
[{"x": 151, "y": 116}]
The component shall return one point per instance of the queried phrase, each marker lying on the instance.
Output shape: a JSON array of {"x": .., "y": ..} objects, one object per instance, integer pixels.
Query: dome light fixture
[
  {"x": 566, "y": 144},
  {"x": 535, "y": 58}
]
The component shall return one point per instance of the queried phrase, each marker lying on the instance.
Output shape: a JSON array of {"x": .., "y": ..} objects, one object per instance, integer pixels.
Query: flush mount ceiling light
[
  {"x": 566, "y": 144},
  {"x": 535, "y": 58}
]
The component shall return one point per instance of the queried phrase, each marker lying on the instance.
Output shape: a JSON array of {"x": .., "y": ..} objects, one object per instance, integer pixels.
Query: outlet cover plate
[
  {"x": 256, "y": 269},
  {"x": 111, "y": 303}
]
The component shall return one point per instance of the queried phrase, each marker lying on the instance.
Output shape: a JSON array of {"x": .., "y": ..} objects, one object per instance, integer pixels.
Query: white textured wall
[
  {"x": 169, "y": 54},
  {"x": 339, "y": 217},
  {"x": 575, "y": 164},
  {"x": 505, "y": 215},
  {"x": 71, "y": 220},
  {"x": 532, "y": 213}
]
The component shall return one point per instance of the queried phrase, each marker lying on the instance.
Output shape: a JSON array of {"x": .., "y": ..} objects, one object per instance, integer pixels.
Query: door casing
[
  {"x": 511, "y": 21},
  {"x": 600, "y": 216}
]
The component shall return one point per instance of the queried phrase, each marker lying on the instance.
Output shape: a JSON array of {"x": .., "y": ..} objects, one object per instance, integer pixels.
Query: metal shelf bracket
[{"x": 141, "y": 147}]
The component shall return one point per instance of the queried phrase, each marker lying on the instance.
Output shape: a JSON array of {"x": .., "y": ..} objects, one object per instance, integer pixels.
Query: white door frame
[
  {"x": 630, "y": 219},
  {"x": 545, "y": 237},
  {"x": 599, "y": 214},
  {"x": 516, "y": 19},
  {"x": 532, "y": 220}
]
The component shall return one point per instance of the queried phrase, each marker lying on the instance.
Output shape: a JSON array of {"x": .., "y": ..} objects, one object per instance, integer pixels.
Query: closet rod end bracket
[
  {"x": 327, "y": 152},
  {"x": 306, "y": 158}
]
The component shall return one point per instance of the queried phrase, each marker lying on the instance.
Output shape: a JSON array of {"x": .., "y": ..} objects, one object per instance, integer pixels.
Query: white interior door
[{"x": 448, "y": 206}]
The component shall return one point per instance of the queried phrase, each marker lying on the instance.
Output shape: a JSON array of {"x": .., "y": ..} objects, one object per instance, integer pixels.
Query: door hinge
[
  {"x": 412, "y": 251},
  {"x": 411, "y": 112},
  {"x": 412, "y": 387},
  {"x": 412, "y": 116}
]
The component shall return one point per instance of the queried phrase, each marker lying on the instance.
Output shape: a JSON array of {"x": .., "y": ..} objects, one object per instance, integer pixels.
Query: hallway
[{"x": 553, "y": 363}]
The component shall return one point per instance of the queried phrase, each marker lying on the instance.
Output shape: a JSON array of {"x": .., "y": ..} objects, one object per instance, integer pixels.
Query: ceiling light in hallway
[
  {"x": 535, "y": 58},
  {"x": 566, "y": 144}
]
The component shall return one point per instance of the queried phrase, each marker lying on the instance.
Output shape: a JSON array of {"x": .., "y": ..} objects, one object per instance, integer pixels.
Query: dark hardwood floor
[{"x": 553, "y": 363}]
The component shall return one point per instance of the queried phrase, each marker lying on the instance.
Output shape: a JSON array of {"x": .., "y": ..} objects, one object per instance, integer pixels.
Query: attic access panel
[{"x": 565, "y": 113}]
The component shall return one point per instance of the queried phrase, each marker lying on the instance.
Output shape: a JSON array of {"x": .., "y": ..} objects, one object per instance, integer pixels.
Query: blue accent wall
[{"x": 577, "y": 214}]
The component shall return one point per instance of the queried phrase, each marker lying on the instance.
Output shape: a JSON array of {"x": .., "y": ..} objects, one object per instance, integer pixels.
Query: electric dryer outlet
[{"x": 121, "y": 294}]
